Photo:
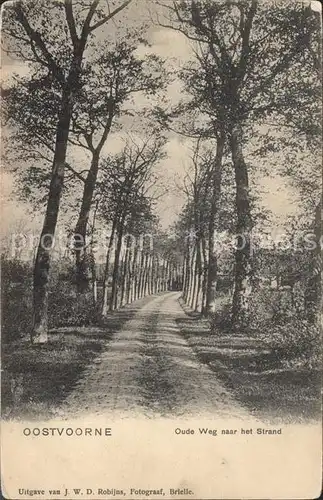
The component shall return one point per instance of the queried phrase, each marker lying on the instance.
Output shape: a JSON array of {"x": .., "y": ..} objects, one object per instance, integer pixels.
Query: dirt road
[{"x": 149, "y": 369}]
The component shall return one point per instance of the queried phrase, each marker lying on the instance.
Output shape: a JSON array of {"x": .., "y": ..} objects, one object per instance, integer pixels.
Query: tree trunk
[
  {"x": 125, "y": 275},
  {"x": 205, "y": 275},
  {"x": 186, "y": 272},
  {"x": 140, "y": 274},
  {"x": 43, "y": 256},
  {"x": 194, "y": 274},
  {"x": 145, "y": 275},
  {"x": 149, "y": 275},
  {"x": 163, "y": 287},
  {"x": 242, "y": 282},
  {"x": 199, "y": 276},
  {"x": 191, "y": 280},
  {"x": 182, "y": 274},
  {"x": 94, "y": 280},
  {"x": 313, "y": 291},
  {"x": 81, "y": 265},
  {"x": 213, "y": 219},
  {"x": 134, "y": 286},
  {"x": 115, "y": 275},
  {"x": 157, "y": 287},
  {"x": 154, "y": 275},
  {"x": 132, "y": 260},
  {"x": 104, "y": 309}
]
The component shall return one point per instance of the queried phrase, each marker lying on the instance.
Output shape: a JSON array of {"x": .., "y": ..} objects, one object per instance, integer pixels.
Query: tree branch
[
  {"x": 75, "y": 173},
  {"x": 245, "y": 31},
  {"x": 110, "y": 15},
  {"x": 35, "y": 38},
  {"x": 86, "y": 27},
  {"x": 107, "y": 129},
  {"x": 71, "y": 22}
]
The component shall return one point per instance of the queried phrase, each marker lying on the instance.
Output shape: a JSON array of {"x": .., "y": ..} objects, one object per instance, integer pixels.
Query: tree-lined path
[
  {"x": 149, "y": 369},
  {"x": 157, "y": 150}
]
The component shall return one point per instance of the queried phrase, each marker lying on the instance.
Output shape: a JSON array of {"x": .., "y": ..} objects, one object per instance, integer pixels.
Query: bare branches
[
  {"x": 86, "y": 26},
  {"x": 75, "y": 173},
  {"x": 110, "y": 15},
  {"x": 128, "y": 176},
  {"x": 37, "y": 41},
  {"x": 180, "y": 26}
]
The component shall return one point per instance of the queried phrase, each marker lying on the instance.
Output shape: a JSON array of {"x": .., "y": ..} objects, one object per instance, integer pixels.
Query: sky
[{"x": 277, "y": 195}]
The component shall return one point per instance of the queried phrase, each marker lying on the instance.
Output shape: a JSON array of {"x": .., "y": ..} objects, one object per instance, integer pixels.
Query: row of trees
[
  {"x": 136, "y": 270},
  {"x": 201, "y": 257},
  {"x": 252, "y": 63},
  {"x": 125, "y": 257},
  {"x": 73, "y": 95},
  {"x": 135, "y": 262}
]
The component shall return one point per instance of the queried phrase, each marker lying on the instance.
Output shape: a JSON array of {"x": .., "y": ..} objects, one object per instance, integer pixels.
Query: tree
[
  {"x": 117, "y": 76},
  {"x": 242, "y": 54},
  {"x": 296, "y": 132},
  {"x": 108, "y": 85},
  {"x": 200, "y": 225},
  {"x": 39, "y": 38},
  {"x": 125, "y": 186},
  {"x": 205, "y": 208}
]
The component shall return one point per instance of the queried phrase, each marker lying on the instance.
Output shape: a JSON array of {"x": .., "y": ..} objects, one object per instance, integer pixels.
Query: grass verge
[
  {"x": 36, "y": 379},
  {"x": 272, "y": 389}
]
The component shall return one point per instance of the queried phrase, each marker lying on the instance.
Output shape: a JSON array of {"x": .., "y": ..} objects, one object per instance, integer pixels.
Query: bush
[
  {"x": 296, "y": 339},
  {"x": 283, "y": 328},
  {"x": 262, "y": 305},
  {"x": 278, "y": 307},
  {"x": 285, "y": 331},
  {"x": 66, "y": 308},
  {"x": 221, "y": 319},
  {"x": 16, "y": 299}
]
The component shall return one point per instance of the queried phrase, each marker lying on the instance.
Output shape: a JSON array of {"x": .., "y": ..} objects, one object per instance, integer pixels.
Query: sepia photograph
[{"x": 161, "y": 249}]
